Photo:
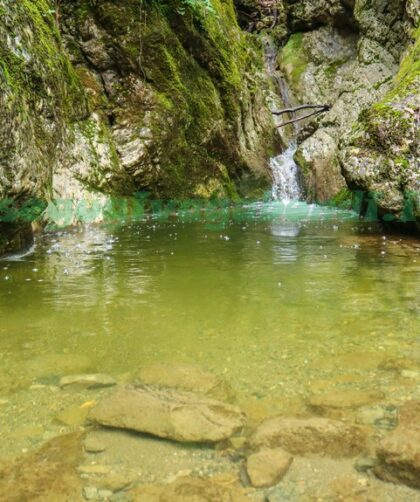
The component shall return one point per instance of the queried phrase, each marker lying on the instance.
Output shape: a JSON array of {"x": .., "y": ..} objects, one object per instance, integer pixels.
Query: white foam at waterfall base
[{"x": 285, "y": 174}]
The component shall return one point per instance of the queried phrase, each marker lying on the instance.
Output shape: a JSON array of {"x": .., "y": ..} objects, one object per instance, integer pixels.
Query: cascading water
[
  {"x": 284, "y": 169},
  {"x": 285, "y": 176}
]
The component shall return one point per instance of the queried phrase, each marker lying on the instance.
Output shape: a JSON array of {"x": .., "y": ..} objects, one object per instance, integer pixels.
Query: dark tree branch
[
  {"x": 323, "y": 108},
  {"x": 302, "y": 118}
]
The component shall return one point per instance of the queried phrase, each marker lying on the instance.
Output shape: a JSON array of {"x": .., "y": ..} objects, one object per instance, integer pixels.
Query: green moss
[
  {"x": 343, "y": 199},
  {"x": 292, "y": 58}
]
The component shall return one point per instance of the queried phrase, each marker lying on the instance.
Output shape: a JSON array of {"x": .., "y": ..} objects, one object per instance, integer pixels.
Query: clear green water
[{"x": 271, "y": 303}]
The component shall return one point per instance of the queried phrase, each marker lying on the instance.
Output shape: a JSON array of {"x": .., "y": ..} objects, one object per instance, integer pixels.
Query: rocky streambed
[{"x": 175, "y": 432}]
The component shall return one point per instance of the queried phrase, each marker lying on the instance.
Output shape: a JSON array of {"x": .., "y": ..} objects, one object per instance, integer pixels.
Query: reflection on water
[{"x": 261, "y": 299}]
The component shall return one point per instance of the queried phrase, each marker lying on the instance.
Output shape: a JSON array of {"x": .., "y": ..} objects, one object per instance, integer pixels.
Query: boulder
[
  {"x": 166, "y": 413},
  {"x": 87, "y": 381},
  {"x": 399, "y": 451},
  {"x": 268, "y": 466},
  {"x": 316, "y": 157},
  {"x": 321, "y": 436}
]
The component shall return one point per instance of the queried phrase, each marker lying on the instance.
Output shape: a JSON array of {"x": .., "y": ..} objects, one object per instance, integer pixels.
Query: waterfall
[
  {"x": 284, "y": 169},
  {"x": 285, "y": 175}
]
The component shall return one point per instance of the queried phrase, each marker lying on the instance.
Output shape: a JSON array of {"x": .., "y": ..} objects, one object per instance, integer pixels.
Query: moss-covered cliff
[
  {"x": 344, "y": 54},
  {"x": 120, "y": 96},
  {"x": 381, "y": 154}
]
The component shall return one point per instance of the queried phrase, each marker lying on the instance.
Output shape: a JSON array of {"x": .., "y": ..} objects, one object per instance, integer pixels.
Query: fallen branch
[
  {"x": 292, "y": 121},
  {"x": 323, "y": 108}
]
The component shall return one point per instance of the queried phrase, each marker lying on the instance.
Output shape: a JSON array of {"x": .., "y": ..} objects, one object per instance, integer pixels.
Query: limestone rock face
[
  {"x": 381, "y": 153},
  {"x": 166, "y": 413},
  {"x": 104, "y": 101},
  {"x": 320, "y": 436},
  {"x": 268, "y": 466},
  {"x": 186, "y": 377},
  {"x": 399, "y": 451},
  {"x": 348, "y": 59},
  {"x": 311, "y": 14}
]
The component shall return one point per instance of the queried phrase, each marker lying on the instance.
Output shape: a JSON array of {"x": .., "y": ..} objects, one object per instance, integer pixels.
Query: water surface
[{"x": 271, "y": 302}]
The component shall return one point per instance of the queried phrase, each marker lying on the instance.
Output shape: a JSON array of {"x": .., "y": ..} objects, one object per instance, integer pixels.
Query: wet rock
[
  {"x": 312, "y": 435},
  {"x": 104, "y": 494},
  {"x": 90, "y": 492},
  {"x": 166, "y": 413},
  {"x": 399, "y": 451},
  {"x": 47, "y": 474},
  {"x": 186, "y": 377},
  {"x": 317, "y": 158},
  {"x": 364, "y": 464},
  {"x": 115, "y": 481},
  {"x": 384, "y": 417},
  {"x": 324, "y": 404},
  {"x": 190, "y": 489},
  {"x": 58, "y": 364},
  {"x": 87, "y": 381},
  {"x": 309, "y": 14},
  {"x": 238, "y": 442},
  {"x": 73, "y": 416},
  {"x": 92, "y": 444},
  {"x": 268, "y": 466}
]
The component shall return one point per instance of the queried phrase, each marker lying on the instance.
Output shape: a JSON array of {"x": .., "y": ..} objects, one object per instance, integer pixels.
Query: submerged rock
[
  {"x": 47, "y": 474},
  {"x": 189, "y": 489},
  {"x": 92, "y": 444},
  {"x": 73, "y": 416},
  {"x": 300, "y": 436},
  {"x": 331, "y": 402},
  {"x": 268, "y": 466},
  {"x": 399, "y": 451},
  {"x": 171, "y": 414},
  {"x": 186, "y": 377},
  {"x": 88, "y": 381}
]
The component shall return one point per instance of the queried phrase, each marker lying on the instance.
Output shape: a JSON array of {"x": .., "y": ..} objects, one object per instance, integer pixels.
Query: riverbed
[{"x": 283, "y": 300}]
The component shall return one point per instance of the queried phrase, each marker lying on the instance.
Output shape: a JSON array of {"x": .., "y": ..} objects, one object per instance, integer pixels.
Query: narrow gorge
[{"x": 209, "y": 252}]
